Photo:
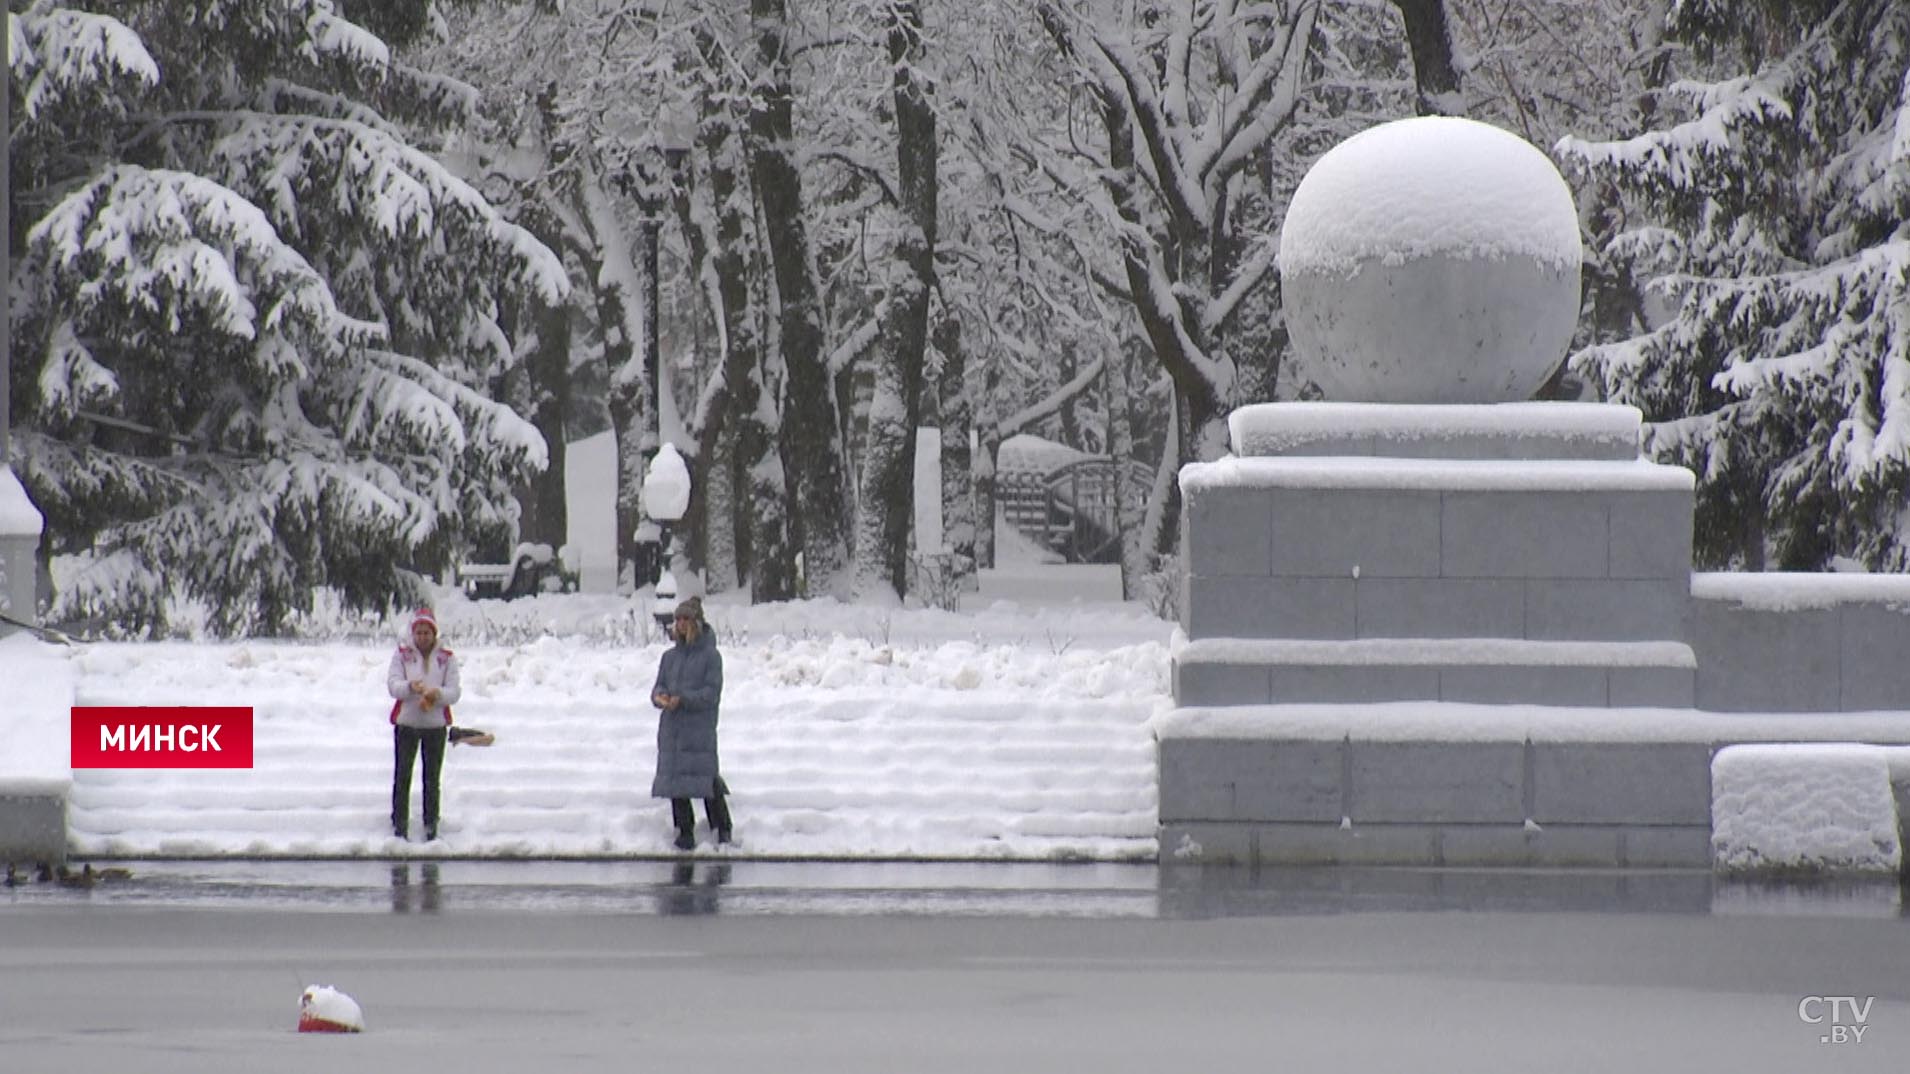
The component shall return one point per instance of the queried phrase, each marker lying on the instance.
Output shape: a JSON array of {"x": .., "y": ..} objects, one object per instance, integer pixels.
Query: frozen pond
[
  {"x": 742, "y": 886},
  {"x": 745, "y": 965}
]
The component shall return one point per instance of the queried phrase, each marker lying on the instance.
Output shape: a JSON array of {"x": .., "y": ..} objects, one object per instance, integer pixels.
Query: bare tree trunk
[
  {"x": 1435, "y": 76},
  {"x": 811, "y": 429},
  {"x": 1127, "y": 507},
  {"x": 546, "y": 515},
  {"x": 956, "y": 414},
  {"x": 887, "y": 509},
  {"x": 1202, "y": 428},
  {"x": 984, "y": 382}
]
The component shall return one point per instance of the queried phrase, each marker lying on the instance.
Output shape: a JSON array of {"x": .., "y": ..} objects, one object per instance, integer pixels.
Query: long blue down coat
[{"x": 686, "y": 738}]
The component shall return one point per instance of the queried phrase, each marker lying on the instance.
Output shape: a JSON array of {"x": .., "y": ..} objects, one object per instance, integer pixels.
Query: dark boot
[
  {"x": 685, "y": 820},
  {"x": 717, "y": 808}
]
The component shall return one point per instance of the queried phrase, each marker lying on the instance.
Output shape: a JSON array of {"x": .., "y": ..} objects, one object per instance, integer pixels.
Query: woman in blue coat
[{"x": 687, "y": 694}]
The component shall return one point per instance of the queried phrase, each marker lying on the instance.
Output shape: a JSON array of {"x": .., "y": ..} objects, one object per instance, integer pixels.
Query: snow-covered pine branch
[
  {"x": 485, "y": 419},
  {"x": 175, "y": 246},
  {"x": 229, "y": 244},
  {"x": 1773, "y": 215},
  {"x": 63, "y": 56}
]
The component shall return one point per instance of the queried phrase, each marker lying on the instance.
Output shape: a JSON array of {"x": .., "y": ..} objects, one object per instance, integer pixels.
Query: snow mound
[{"x": 1804, "y": 807}]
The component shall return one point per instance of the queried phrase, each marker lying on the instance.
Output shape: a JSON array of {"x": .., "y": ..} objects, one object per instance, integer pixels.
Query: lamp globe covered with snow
[
  {"x": 1430, "y": 260},
  {"x": 666, "y": 497}
]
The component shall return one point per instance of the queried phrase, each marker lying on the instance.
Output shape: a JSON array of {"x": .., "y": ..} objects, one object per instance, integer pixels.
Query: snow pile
[
  {"x": 1432, "y": 185},
  {"x": 1804, "y": 806}
]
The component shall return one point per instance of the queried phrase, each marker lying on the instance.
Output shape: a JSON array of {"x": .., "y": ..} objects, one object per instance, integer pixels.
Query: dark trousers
[
  {"x": 405, "y": 743},
  {"x": 714, "y": 807}
]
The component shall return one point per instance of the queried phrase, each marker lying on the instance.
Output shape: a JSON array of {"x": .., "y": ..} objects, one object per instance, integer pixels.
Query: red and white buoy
[{"x": 323, "y": 1009}]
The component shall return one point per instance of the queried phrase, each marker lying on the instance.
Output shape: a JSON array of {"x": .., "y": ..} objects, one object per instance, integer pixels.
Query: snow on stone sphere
[
  {"x": 666, "y": 485},
  {"x": 1430, "y": 260}
]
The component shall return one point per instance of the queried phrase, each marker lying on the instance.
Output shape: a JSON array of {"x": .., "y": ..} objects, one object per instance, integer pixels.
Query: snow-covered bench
[{"x": 534, "y": 568}]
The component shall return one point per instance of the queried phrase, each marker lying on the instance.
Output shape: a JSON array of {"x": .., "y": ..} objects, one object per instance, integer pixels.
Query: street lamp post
[
  {"x": 666, "y": 496},
  {"x": 670, "y": 138}
]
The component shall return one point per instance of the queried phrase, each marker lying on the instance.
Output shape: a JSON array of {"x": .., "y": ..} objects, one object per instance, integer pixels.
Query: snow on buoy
[{"x": 323, "y": 1009}]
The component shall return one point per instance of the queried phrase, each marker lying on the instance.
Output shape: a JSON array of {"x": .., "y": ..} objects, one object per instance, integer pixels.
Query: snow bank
[{"x": 1804, "y": 806}]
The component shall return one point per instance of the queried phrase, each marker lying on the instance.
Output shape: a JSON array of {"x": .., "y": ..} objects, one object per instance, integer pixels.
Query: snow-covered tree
[
  {"x": 1768, "y": 213},
  {"x": 1193, "y": 121},
  {"x": 252, "y": 319},
  {"x": 886, "y": 508}
]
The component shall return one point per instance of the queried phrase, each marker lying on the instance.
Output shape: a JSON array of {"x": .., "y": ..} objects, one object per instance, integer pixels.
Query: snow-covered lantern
[
  {"x": 1430, "y": 260},
  {"x": 666, "y": 497}
]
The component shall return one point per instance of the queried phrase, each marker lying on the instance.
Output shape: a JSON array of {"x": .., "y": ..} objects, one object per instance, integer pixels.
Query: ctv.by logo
[{"x": 1845, "y": 1022}]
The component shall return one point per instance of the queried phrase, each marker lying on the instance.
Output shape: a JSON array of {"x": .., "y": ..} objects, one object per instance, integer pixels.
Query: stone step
[{"x": 1233, "y": 671}]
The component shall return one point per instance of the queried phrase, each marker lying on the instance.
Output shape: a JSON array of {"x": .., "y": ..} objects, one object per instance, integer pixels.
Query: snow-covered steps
[{"x": 963, "y": 754}]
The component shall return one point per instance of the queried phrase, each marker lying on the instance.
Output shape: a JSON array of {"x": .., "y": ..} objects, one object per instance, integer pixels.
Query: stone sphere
[{"x": 1430, "y": 260}]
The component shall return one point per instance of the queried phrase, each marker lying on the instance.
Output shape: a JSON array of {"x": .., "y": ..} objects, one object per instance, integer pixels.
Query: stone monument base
[{"x": 1459, "y": 785}]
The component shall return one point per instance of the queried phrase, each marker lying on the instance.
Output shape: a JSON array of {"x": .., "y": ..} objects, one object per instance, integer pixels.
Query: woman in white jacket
[{"x": 423, "y": 681}]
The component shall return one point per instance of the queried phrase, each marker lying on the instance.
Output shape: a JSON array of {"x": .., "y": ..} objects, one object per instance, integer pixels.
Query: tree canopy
[{"x": 253, "y": 320}]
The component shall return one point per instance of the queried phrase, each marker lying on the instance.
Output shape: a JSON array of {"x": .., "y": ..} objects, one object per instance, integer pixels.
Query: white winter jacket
[{"x": 439, "y": 669}]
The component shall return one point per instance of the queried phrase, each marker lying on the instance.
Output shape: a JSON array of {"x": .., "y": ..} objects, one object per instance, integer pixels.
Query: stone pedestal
[
  {"x": 1499, "y": 554},
  {"x": 1356, "y": 570}
]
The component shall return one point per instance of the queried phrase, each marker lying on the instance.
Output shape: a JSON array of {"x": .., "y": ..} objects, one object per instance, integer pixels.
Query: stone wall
[{"x": 1801, "y": 642}]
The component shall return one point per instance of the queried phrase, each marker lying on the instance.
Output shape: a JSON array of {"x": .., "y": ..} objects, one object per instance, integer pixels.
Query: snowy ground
[
  {"x": 1018, "y": 729},
  {"x": 1014, "y": 731}
]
